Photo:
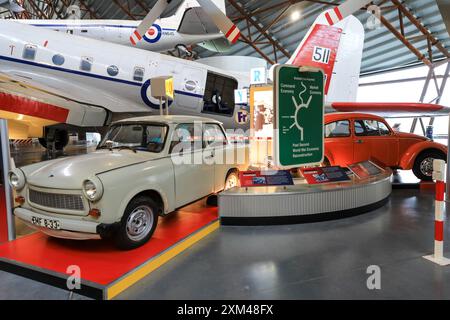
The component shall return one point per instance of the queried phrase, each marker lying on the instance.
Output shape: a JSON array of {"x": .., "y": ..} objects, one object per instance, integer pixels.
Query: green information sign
[{"x": 298, "y": 113}]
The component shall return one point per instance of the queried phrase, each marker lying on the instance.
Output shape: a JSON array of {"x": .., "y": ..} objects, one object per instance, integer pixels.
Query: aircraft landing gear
[
  {"x": 54, "y": 140},
  {"x": 184, "y": 52}
]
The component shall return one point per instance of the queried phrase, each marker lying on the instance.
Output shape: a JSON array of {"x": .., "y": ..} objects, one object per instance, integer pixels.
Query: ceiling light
[{"x": 295, "y": 15}]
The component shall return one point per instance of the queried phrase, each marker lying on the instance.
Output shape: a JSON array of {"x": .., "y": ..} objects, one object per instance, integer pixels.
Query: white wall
[{"x": 409, "y": 91}]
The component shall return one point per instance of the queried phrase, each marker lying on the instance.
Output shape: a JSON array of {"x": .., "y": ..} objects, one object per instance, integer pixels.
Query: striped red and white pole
[{"x": 439, "y": 209}]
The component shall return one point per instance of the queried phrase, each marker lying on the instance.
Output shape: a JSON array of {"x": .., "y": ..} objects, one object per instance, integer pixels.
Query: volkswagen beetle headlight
[
  {"x": 17, "y": 179},
  {"x": 93, "y": 189}
]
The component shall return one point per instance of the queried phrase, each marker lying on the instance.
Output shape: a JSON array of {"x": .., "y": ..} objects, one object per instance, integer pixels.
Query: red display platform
[{"x": 105, "y": 271}]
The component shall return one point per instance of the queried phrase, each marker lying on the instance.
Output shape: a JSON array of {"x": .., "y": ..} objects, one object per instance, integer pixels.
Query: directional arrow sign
[{"x": 298, "y": 113}]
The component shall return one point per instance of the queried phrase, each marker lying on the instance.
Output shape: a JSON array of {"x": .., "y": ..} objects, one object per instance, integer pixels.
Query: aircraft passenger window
[
  {"x": 138, "y": 74},
  {"x": 213, "y": 135},
  {"x": 384, "y": 130},
  {"x": 58, "y": 59},
  {"x": 337, "y": 129},
  {"x": 29, "y": 52},
  {"x": 219, "y": 94},
  {"x": 113, "y": 71},
  {"x": 86, "y": 63}
]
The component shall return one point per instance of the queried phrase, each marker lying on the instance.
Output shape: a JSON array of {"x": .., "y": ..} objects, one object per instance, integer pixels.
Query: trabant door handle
[{"x": 359, "y": 141}]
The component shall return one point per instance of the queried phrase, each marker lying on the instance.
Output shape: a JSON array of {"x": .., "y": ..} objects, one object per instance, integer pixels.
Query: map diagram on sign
[
  {"x": 298, "y": 107},
  {"x": 298, "y": 114}
]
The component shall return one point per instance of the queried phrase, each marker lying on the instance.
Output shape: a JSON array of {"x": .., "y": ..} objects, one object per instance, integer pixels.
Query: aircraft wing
[
  {"x": 196, "y": 21},
  {"x": 28, "y": 103},
  {"x": 390, "y": 109}
]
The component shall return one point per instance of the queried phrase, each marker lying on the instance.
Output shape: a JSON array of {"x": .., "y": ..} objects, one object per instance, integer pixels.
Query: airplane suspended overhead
[
  {"x": 190, "y": 25},
  {"x": 11, "y": 5},
  {"x": 335, "y": 44},
  {"x": 224, "y": 24},
  {"x": 51, "y": 82}
]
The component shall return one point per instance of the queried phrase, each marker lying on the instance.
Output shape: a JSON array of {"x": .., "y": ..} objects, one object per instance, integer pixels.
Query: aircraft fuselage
[{"x": 115, "y": 77}]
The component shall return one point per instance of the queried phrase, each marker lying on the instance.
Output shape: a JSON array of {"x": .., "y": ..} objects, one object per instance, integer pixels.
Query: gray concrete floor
[{"x": 326, "y": 260}]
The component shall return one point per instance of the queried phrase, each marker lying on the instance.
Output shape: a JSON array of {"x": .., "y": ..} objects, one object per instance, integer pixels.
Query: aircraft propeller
[
  {"x": 344, "y": 10},
  {"x": 222, "y": 22}
]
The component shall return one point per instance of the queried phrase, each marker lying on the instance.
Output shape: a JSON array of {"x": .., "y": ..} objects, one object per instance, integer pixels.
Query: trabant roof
[{"x": 169, "y": 119}]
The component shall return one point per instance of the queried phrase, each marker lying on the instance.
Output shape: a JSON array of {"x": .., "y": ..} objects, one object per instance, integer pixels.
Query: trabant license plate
[{"x": 46, "y": 223}]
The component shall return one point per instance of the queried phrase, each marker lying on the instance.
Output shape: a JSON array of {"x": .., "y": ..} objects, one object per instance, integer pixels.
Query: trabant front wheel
[
  {"x": 138, "y": 223},
  {"x": 423, "y": 165}
]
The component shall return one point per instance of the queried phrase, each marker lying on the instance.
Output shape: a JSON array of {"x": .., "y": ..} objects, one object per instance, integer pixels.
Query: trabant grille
[{"x": 58, "y": 201}]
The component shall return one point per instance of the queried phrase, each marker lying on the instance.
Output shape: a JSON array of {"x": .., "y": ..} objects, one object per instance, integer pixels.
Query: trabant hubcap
[
  {"x": 232, "y": 181},
  {"x": 139, "y": 223},
  {"x": 426, "y": 166}
]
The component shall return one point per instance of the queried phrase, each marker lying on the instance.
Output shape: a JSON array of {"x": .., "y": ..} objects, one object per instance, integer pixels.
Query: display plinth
[
  {"x": 302, "y": 203},
  {"x": 407, "y": 180},
  {"x": 105, "y": 270}
]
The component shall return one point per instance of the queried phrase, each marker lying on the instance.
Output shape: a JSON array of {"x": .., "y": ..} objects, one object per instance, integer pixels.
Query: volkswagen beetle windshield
[{"x": 138, "y": 137}]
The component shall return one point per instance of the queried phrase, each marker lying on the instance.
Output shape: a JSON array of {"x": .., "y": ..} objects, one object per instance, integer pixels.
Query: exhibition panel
[{"x": 302, "y": 202}]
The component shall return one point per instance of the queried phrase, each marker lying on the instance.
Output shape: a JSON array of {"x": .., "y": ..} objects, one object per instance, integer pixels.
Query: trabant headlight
[
  {"x": 17, "y": 179},
  {"x": 93, "y": 189}
]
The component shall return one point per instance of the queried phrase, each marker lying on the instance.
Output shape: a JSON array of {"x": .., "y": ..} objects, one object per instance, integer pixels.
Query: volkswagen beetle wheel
[
  {"x": 426, "y": 166},
  {"x": 423, "y": 165}
]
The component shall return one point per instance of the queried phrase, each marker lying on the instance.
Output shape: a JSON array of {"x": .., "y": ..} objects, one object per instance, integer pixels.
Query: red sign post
[{"x": 7, "y": 227}]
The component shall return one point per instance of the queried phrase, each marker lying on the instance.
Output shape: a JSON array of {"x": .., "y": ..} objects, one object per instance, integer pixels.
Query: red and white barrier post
[{"x": 439, "y": 209}]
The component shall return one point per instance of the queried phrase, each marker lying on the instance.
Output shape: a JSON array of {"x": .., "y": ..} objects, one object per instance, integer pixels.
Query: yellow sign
[{"x": 169, "y": 88}]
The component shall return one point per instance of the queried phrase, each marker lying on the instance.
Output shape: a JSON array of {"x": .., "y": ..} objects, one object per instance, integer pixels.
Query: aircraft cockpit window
[
  {"x": 58, "y": 59},
  {"x": 86, "y": 63},
  {"x": 138, "y": 74},
  {"x": 29, "y": 52},
  {"x": 219, "y": 94},
  {"x": 84, "y": 31},
  {"x": 113, "y": 71}
]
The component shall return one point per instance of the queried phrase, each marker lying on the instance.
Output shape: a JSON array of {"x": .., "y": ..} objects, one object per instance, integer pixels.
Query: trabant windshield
[{"x": 139, "y": 137}]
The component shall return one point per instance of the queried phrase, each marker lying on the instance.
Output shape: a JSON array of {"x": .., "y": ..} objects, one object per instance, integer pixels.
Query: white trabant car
[{"x": 144, "y": 168}]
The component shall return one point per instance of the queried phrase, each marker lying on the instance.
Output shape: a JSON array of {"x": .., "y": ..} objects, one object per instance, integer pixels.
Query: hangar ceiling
[{"x": 271, "y": 31}]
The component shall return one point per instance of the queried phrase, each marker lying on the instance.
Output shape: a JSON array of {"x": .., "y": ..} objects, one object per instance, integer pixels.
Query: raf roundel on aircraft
[{"x": 153, "y": 34}]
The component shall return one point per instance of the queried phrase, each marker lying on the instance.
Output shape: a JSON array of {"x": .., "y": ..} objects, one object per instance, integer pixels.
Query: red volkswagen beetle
[{"x": 354, "y": 137}]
